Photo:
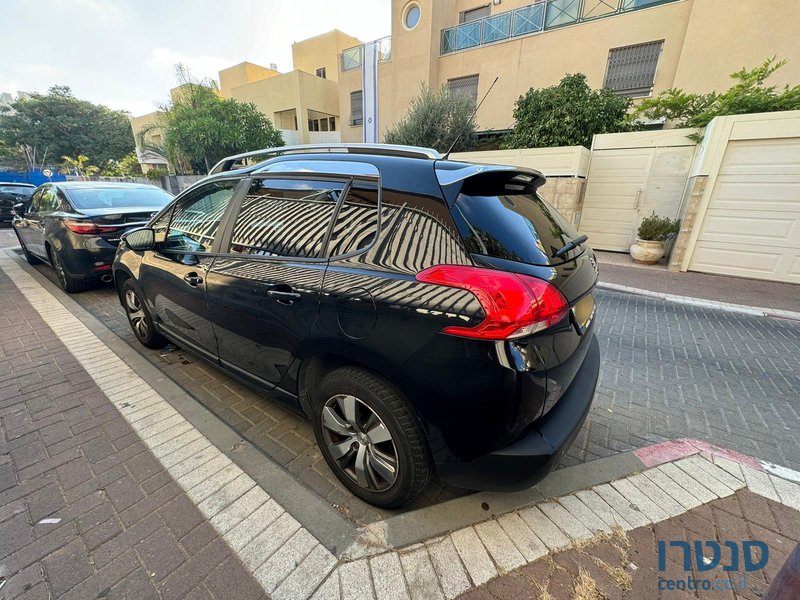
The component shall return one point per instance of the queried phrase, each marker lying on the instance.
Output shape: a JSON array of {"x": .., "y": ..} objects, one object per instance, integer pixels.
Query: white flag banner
[{"x": 369, "y": 77}]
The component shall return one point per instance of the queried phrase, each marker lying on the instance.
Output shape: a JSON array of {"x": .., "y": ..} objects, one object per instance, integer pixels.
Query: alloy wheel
[
  {"x": 62, "y": 275},
  {"x": 360, "y": 443},
  {"x": 136, "y": 314}
]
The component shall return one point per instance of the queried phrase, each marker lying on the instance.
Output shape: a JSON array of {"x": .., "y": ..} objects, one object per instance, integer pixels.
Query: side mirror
[
  {"x": 19, "y": 208},
  {"x": 140, "y": 239}
]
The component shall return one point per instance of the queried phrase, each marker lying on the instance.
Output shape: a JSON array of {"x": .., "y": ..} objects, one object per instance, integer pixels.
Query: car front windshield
[{"x": 119, "y": 197}]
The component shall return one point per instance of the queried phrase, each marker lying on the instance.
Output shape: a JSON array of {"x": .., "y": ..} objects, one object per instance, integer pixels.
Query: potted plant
[{"x": 653, "y": 232}]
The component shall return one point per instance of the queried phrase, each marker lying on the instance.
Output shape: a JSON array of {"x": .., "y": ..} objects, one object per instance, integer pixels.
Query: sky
[{"x": 122, "y": 53}]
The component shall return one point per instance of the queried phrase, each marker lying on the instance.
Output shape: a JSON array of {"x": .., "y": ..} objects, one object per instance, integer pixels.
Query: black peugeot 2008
[{"x": 428, "y": 316}]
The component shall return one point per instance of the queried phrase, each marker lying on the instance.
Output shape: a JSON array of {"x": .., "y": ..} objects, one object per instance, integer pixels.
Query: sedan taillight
[
  {"x": 515, "y": 305},
  {"x": 88, "y": 227}
]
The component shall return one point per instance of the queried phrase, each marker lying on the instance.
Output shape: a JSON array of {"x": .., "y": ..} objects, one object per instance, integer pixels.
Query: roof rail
[{"x": 236, "y": 161}]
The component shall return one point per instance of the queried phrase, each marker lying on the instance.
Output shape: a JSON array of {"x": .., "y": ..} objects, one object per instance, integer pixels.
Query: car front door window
[{"x": 196, "y": 218}]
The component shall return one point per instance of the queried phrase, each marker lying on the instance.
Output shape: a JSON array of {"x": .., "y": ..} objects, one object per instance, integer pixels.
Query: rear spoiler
[{"x": 449, "y": 173}]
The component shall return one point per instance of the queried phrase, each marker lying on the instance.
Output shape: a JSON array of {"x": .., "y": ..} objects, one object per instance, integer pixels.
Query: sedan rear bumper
[{"x": 528, "y": 460}]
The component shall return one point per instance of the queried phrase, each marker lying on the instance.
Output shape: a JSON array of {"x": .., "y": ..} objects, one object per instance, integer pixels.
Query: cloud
[
  {"x": 165, "y": 60},
  {"x": 100, "y": 10}
]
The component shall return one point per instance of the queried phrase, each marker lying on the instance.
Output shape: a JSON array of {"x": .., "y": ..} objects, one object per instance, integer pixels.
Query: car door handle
[
  {"x": 284, "y": 297},
  {"x": 193, "y": 279}
]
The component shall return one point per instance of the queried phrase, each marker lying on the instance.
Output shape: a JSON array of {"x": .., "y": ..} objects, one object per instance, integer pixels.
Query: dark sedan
[
  {"x": 12, "y": 194},
  {"x": 76, "y": 226}
]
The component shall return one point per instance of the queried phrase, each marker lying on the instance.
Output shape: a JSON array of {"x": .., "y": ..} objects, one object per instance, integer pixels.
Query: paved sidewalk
[
  {"x": 619, "y": 564},
  {"x": 86, "y": 510},
  {"x": 619, "y": 269},
  {"x": 7, "y": 237}
]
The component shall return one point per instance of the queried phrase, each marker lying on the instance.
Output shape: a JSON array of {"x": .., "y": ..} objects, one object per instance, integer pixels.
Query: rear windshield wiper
[{"x": 570, "y": 245}]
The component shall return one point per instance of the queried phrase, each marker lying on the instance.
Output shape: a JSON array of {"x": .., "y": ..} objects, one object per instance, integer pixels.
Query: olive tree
[{"x": 435, "y": 118}]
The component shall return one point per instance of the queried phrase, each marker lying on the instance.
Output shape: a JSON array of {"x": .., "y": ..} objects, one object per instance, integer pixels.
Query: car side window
[
  {"x": 35, "y": 202},
  {"x": 62, "y": 203},
  {"x": 285, "y": 217},
  {"x": 356, "y": 224},
  {"x": 48, "y": 201},
  {"x": 161, "y": 224},
  {"x": 196, "y": 218}
]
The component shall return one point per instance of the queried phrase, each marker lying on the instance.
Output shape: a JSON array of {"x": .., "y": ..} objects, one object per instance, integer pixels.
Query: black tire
[
  {"x": 32, "y": 260},
  {"x": 139, "y": 317},
  {"x": 69, "y": 283},
  {"x": 378, "y": 403}
]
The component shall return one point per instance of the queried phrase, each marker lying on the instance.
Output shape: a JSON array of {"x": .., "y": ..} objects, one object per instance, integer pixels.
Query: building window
[
  {"x": 475, "y": 14},
  {"x": 464, "y": 86},
  {"x": 322, "y": 124},
  {"x": 356, "y": 108},
  {"x": 631, "y": 70},
  {"x": 322, "y": 73},
  {"x": 412, "y": 15}
]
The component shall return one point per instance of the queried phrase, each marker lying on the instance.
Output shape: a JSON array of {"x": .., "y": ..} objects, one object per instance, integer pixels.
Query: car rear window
[
  {"x": 16, "y": 190},
  {"x": 144, "y": 197},
  {"x": 510, "y": 221}
]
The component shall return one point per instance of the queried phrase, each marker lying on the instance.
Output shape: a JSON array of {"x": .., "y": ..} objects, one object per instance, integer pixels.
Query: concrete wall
[
  {"x": 566, "y": 161},
  {"x": 298, "y": 90},
  {"x": 724, "y": 36},
  {"x": 242, "y": 74},
  {"x": 322, "y": 51}
]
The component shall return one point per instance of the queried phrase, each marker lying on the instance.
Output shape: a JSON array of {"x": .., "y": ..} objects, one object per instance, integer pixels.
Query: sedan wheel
[
  {"x": 69, "y": 283},
  {"x": 136, "y": 315},
  {"x": 359, "y": 441}
]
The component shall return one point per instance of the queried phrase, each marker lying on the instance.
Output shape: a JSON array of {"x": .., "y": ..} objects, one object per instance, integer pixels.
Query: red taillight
[
  {"x": 515, "y": 305},
  {"x": 88, "y": 227}
]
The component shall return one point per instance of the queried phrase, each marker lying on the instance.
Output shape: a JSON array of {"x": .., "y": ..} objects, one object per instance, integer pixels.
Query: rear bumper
[
  {"x": 528, "y": 460},
  {"x": 82, "y": 255}
]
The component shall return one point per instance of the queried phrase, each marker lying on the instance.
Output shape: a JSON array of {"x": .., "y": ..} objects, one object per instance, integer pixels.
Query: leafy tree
[
  {"x": 567, "y": 114},
  {"x": 749, "y": 94},
  {"x": 78, "y": 166},
  {"x": 59, "y": 124},
  {"x": 11, "y": 157},
  {"x": 200, "y": 128},
  {"x": 127, "y": 166},
  {"x": 434, "y": 120},
  {"x": 156, "y": 173}
]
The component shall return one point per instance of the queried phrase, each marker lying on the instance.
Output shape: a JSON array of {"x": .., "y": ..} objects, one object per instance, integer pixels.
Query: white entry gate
[
  {"x": 631, "y": 176},
  {"x": 752, "y": 224}
]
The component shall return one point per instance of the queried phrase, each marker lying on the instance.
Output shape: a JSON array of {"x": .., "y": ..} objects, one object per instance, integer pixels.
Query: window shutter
[
  {"x": 632, "y": 69},
  {"x": 356, "y": 108},
  {"x": 476, "y": 13},
  {"x": 467, "y": 86}
]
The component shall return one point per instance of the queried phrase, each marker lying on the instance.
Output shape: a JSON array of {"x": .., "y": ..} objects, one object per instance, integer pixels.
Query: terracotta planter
[{"x": 647, "y": 252}]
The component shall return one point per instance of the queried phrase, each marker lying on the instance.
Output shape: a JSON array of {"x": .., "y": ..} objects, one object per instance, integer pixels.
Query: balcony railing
[
  {"x": 352, "y": 58},
  {"x": 535, "y": 18}
]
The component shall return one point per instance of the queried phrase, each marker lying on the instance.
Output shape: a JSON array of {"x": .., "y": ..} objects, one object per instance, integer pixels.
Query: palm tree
[{"x": 79, "y": 166}]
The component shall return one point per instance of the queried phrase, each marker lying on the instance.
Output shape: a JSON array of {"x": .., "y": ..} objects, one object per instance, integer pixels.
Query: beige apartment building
[
  {"x": 636, "y": 47},
  {"x": 303, "y": 104}
]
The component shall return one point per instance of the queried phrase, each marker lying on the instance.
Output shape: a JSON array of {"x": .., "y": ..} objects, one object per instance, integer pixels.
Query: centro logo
[
  {"x": 710, "y": 559},
  {"x": 703, "y": 563}
]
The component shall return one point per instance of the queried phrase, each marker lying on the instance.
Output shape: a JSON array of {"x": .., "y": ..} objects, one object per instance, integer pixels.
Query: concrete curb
[{"x": 755, "y": 311}]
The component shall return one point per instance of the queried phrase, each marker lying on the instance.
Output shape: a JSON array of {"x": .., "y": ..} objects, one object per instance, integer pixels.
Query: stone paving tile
[
  {"x": 624, "y": 565},
  {"x": 109, "y": 541}
]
